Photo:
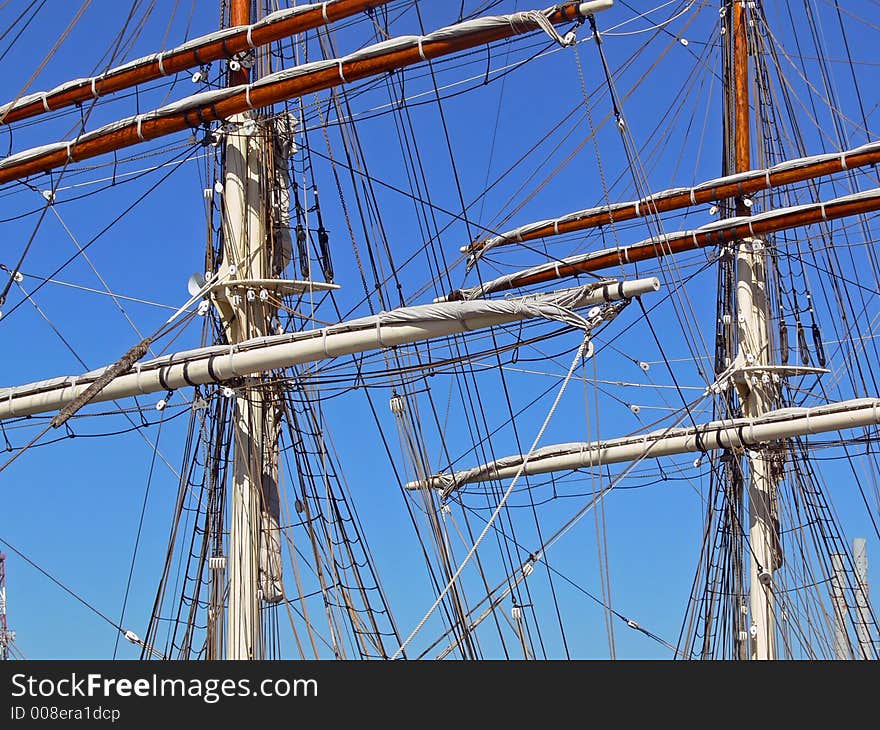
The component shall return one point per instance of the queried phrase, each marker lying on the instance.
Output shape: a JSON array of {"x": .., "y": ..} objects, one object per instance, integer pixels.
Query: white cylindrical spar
[
  {"x": 741, "y": 433},
  {"x": 595, "y": 6},
  {"x": 612, "y": 290},
  {"x": 397, "y": 327}
]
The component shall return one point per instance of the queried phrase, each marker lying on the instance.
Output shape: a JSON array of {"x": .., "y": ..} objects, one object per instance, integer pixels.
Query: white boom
[
  {"x": 740, "y": 433},
  {"x": 397, "y": 327}
]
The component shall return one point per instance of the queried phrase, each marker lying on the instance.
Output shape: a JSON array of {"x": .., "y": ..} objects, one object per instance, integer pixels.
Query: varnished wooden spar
[
  {"x": 731, "y": 230},
  {"x": 363, "y": 64},
  {"x": 193, "y": 54},
  {"x": 742, "y": 149},
  {"x": 240, "y": 14},
  {"x": 678, "y": 199}
]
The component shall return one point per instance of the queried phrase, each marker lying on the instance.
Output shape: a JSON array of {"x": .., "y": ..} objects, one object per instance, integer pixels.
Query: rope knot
[{"x": 524, "y": 20}]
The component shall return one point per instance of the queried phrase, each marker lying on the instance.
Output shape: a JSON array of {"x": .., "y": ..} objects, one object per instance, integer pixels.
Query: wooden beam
[
  {"x": 727, "y": 231},
  {"x": 318, "y": 76},
  {"x": 754, "y": 181},
  {"x": 188, "y": 56}
]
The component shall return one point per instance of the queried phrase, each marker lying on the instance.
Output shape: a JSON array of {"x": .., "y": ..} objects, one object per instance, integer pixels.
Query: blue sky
[{"x": 74, "y": 506}]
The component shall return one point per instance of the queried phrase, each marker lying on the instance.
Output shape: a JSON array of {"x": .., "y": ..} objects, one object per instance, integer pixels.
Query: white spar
[
  {"x": 398, "y": 327},
  {"x": 740, "y": 433}
]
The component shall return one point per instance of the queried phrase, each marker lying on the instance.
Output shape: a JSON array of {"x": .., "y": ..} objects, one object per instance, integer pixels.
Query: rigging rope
[{"x": 581, "y": 352}]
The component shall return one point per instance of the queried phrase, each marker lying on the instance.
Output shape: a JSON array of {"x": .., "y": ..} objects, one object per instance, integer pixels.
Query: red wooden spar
[
  {"x": 669, "y": 200},
  {"x": 199, "y": 51},
  {"x": 239, "y": 14},
  {"x": 280, "y": 86}
]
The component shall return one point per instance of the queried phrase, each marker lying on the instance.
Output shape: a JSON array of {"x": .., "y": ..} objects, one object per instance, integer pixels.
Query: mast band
[
  {"x": 211, "y": 371},
  {"x": 185, "y": 374},
  {"x": 162, "y": 379},
  {"x": 698, "y": 441}
]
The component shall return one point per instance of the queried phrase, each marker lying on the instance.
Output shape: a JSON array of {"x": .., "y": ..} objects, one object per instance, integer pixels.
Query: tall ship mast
[{"x": 485, "y": 355}]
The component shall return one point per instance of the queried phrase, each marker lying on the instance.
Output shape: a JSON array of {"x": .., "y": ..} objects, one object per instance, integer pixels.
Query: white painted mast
[
  {"x": 244, "y": 247},
  {"x": 756, "y": 393}
]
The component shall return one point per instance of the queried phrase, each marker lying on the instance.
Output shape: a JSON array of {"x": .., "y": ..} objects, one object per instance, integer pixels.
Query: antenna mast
[{"x": 6, "y": 636}]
